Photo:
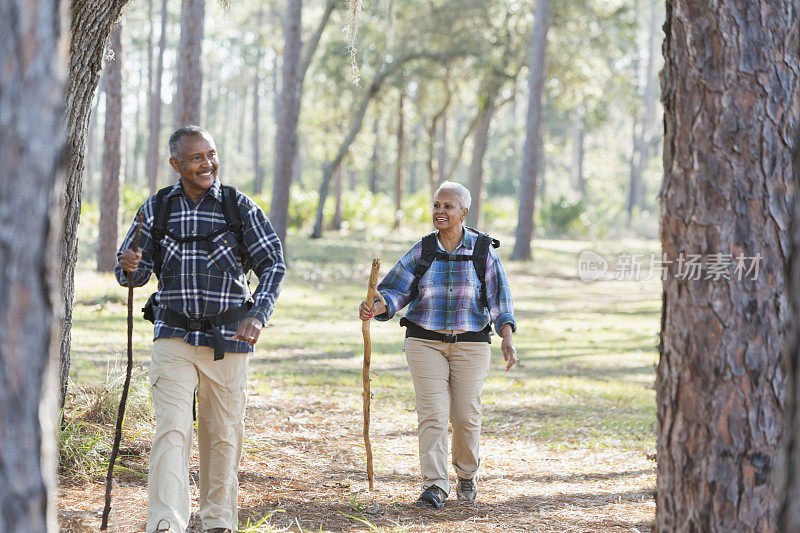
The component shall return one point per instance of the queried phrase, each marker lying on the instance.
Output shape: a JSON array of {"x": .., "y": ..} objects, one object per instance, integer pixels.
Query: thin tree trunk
[
  {"x": 91, "y": 146},
  {"x": 720, "y": 388},
  {"x": 480, "y": 142},
  {"x": 336, "y": 223},
  {"x": 577, "y": 156},
  {"x": 435, "y": 177},
  {"x": 288, "y": 109},
  {"x": 189, "y": 80},
  {"x": 532, "y": 153},
  {"x": 635, "y": 177},
  {"x": 154, "y": 113},
  {"x": 441, "y": 167},
  {"x": 90, "y": 24},
  {"x": 398, "y": 176},
  {"x": 375, "y": 159},
  {"x": 31, "y": 103},
  {"x": 648, "y": 118},
  {"x": 258, "y": 171},
  {"x": 112, "y": 158}
]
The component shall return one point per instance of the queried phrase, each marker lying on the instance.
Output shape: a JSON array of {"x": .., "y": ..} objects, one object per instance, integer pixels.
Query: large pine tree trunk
[
  {"x": 154, "y": 109},
  {"x": 288, "y": 108},
  {"x": 91, "y": 22},
  {"x": 32, "y": 144},
  {"x": 189, "y": 80},
  {"x": 532, "y": 152},
  {"x": 729, "y": 99},
  {"x": 112, "y": 158}
]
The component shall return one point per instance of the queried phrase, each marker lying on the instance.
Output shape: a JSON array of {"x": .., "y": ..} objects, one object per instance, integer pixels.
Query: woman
[{"x": 447, "y": 337}]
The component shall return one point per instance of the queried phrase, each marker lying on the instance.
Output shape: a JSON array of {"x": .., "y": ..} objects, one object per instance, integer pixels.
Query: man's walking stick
[
  {"x": 126, "y": 386},
  {"x": 372, "y": 293}
]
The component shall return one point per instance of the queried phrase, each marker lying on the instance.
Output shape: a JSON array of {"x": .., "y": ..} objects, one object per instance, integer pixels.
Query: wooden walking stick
[
  {"x": 372, "y": 293},
  {"x": 121, "y": 412}
]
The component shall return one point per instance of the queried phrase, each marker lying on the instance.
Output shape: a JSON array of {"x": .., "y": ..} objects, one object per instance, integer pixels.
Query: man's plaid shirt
[
  {"x": 449, "y": 294},
  {"x": 199, "y": 281}
]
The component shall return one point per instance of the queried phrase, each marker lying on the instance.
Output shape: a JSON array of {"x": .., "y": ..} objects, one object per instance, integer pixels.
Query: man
[{"x": 200, "y": 238}]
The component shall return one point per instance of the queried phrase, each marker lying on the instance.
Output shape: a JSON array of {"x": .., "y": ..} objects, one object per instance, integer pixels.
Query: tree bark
[
  {"x": 532, "y": 152},
  {"x": 154, "y": 113},
  {"x": 480, "y": 141},
  {"x": 189, "y": 80},
  {"x": 258, "y": 178},
  {"x": 729, "y": 100},
  {"x": 32, "y": 148},
  {"x": 90, "y": 24},
  {"x": 375, "y": 159},
  {"x": 288, "y": 111},
  {"x": 112, "y": 157},
  {"x": 398, "y": 175}
]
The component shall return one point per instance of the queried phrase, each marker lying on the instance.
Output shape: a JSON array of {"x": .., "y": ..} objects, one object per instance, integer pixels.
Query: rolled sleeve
[
  {"x": 498, "y": 293},
  {"x": 145, "y": 270},
  {"x": 396, "y": 286}
]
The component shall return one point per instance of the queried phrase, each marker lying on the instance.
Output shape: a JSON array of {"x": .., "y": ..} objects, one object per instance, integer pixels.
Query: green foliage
[{"x": 563, "y": 218}]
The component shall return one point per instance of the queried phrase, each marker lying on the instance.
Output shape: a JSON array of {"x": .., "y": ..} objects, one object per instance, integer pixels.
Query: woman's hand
[
  {"x": 509, "y": 352},
  {"x": 365, "y": 313}
]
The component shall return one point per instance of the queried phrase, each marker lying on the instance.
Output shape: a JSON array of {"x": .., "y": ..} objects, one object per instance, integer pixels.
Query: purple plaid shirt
[
  {"x": 198, "y": 282},
  {"x": 449, "y": 294}
]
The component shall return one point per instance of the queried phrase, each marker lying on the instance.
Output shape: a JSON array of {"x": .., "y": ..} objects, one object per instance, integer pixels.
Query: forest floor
[{"x": 568, "y": 437}]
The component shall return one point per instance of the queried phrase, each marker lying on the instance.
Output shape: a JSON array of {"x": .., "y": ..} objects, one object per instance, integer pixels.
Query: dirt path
[{"x": 304, "y": 464}]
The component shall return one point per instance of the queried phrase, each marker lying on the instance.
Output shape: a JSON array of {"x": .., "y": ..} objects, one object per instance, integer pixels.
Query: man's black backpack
[
  {"x": 233, "y": 223},
  {"x": 431, "y": 252}
]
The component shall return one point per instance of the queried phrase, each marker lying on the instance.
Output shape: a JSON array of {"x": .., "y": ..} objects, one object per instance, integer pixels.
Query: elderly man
[{"x": 200, "y": 238}]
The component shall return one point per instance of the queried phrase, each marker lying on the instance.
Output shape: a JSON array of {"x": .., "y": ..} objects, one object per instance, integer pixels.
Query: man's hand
[
  {"x": 129, "y": 260},
  {"x": 509, "y": 352},
  {"x": 248, "y": 331},
  {"x": 365, "y": 312}
]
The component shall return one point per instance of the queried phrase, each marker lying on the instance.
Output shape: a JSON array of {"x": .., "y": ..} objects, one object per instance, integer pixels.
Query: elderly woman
[{"x": 455, "y": 287}]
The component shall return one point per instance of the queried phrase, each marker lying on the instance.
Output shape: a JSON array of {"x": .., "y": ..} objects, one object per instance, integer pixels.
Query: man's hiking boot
[
  {"x": 433, "y": 496},
  {"x": 467, "y": 489}
]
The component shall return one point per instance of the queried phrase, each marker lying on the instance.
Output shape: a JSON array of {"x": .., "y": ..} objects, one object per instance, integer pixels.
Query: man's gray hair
[
  {"x": 185, "y": 131},
  {"x": 461, "y": 192}
]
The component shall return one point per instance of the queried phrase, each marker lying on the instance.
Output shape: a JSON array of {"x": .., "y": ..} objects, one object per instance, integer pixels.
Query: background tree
[
  {"x": 189, "y": 81},
  {"x": 34, "y": 63},
  {"x": 719, "y": 386},
  {"x": 112, "y": 156},
  {"x": 154, "y": 107}
]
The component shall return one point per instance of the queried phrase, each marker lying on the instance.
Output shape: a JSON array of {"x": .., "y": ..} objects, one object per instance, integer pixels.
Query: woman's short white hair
[{"x": 461, "y": 192}]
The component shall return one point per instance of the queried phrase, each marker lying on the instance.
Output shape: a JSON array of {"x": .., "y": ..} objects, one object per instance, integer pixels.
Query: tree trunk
[
  {"x": 787, "y": 473},
  {"x": 154, "y": 113},
  {"x": 729, "y": 100},
  {"x": 32, "y": 147},
  {"x": 258, "y": 178},
  {"x": 112, "y": 158},
  {"x": 441, "y": 167},
  {"x": 480, "y": 142},
  {"x": 189, "y": 79},
  {"x": 288, "y": 108},
  {"x": 375, "y": 159},
  {"x": 532, "y": 153},
  {"x": 336, "y": 223},
  {"x": 90, "y": 24},
  {"x": 92, "y": 141},
  {"x": 577, "y": 157},
  {"x": 635, "y": 178},
  {"x": 398, "y": 176},
  {"x": 648, "y": 118}
]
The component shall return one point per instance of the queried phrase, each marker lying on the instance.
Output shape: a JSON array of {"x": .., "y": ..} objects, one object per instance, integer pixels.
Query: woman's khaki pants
[
  {"x": 175, "y": 370},
  {"x": 448, "y": 380}
]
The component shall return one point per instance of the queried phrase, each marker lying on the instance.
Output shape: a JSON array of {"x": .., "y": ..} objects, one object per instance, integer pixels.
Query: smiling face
[
  {"x": 197, "y": 164},
  {"x": 447, "y": 212}
]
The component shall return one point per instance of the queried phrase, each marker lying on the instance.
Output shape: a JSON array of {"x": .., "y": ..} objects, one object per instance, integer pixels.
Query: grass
[{"x": 582, "y": 391}]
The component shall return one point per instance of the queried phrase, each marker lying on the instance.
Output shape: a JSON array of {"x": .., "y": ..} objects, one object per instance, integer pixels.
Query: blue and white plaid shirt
[
  {"x": 449, "y": 294},
  {"x": 199, "y": 282}
]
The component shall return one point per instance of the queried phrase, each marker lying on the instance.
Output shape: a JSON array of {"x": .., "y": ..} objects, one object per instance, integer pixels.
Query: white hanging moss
[{"x": 353, "y": 11}]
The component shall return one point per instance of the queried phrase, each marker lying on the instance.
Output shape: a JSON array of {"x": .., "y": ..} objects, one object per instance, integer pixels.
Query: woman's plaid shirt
[
  {"x": 199, "y": 281},
  {"x": 449, "y": 294}
]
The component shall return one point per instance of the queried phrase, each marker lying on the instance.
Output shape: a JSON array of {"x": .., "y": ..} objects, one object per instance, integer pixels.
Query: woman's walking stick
[
  {"x": 372, "y": 294},
  {"x": 126, "y": 386}
]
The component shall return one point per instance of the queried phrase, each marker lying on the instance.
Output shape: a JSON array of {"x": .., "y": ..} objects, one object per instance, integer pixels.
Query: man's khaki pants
[
  {"x": 175, "y": 370},
  {"x": 448, "y": 380}
]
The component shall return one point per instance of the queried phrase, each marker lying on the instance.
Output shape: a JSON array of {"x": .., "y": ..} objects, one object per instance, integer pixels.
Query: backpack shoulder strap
[
  {"x": 425, "y": 260},
  {"x": 233, "y": 217},
  {"x": 159, "y": 227},
  {"x": 480, "y": 254}
]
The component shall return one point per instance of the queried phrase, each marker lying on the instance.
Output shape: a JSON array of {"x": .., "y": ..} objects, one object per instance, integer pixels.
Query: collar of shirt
[
  {"x": 215, "y": 190},
  {"x": 467, "y": 241}
]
